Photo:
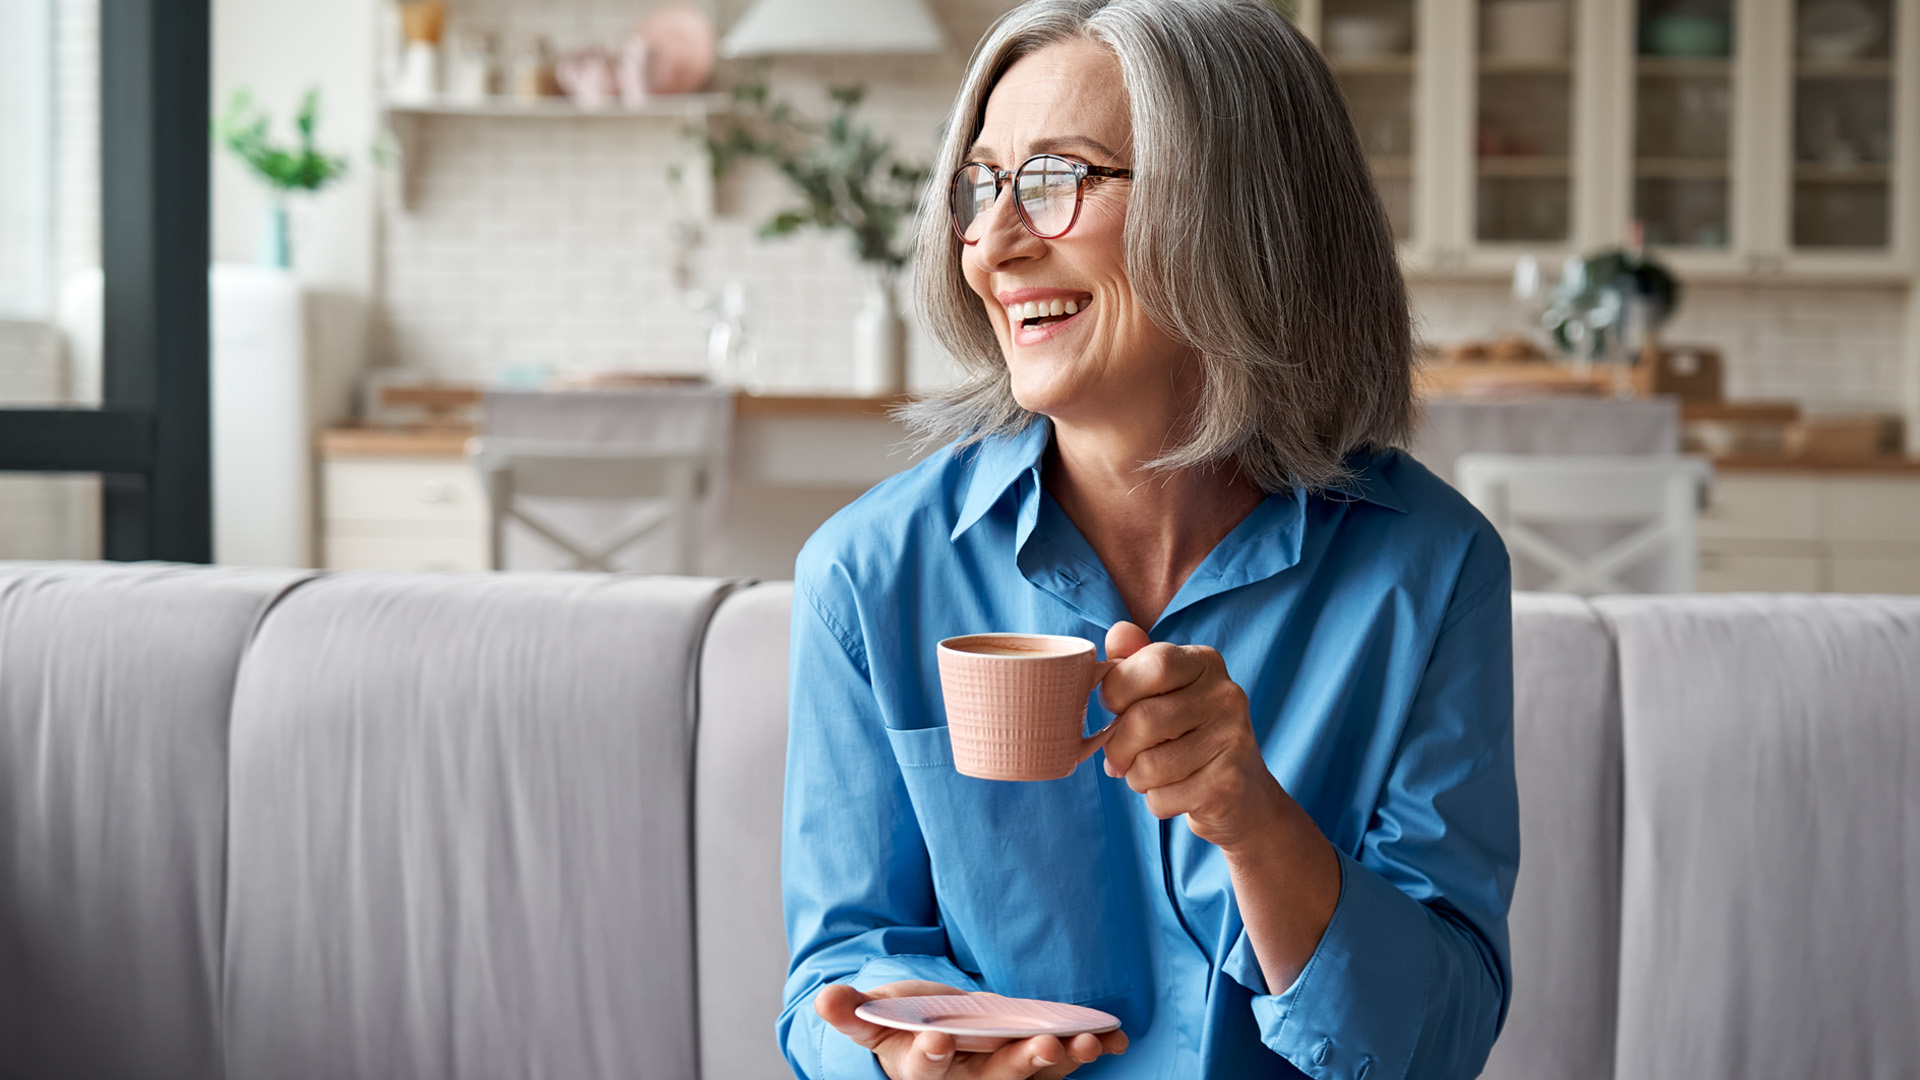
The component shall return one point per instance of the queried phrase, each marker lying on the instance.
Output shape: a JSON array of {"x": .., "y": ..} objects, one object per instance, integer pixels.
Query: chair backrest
[
  {"x": 1529, "y": 497},
  {"x": 513, "y": 469}
]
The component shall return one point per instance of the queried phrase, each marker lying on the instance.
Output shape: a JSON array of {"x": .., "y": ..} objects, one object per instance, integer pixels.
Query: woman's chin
[{"x": 1042, "y": 387}]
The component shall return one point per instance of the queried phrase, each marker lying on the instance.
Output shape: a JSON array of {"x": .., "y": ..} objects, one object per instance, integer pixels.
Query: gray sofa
[{"x": 274, "y": 824}]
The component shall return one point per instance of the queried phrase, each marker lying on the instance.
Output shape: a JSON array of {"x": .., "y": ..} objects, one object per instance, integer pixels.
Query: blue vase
[{"x": 275, "y": 245}]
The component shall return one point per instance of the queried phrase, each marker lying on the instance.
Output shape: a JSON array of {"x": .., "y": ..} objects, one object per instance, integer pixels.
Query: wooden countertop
[
  {"x": 817, "y": 406},
  {"x": 451, "y": 440},
  {"x": 1876, "y": 466}
]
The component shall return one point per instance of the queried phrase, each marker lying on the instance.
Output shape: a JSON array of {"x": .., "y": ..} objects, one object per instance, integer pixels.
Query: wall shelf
[
  {"x": 1371, "y": 65},
  {"x": 1684, "y": 68},
  {"x": 1497, "y": 65},
  {"x": 1844, "y": 69},
  {"x": 1525, "y": 167},
  {"x": 665, "y": 107},
  {"x": 404, "y": 119}
]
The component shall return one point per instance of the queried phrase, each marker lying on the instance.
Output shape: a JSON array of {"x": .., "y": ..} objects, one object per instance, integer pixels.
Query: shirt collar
[{"x": 1001, "y": 460}]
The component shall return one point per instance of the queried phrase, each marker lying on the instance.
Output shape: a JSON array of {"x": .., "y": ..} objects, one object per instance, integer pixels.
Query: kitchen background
[{"x": 513, "y": 249}]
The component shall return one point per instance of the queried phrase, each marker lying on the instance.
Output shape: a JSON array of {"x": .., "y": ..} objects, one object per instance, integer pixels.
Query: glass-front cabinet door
[
  {"x": 1749, "y": 138},
  {"x": 1684, "y": 116},
  {"x": 1843, "y": 124},
  {"x": 1523, "y": 137},
  {"x": 1373, "y": 49}
]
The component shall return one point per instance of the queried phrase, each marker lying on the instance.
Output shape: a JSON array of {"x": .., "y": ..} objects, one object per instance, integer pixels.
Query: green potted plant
[
  {"x": 287, "y": 171},
  {"x": 848, "y": 180}
]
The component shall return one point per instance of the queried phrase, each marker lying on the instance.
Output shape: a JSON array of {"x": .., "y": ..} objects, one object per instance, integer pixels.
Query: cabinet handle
[{"x": 435, "y": 491}]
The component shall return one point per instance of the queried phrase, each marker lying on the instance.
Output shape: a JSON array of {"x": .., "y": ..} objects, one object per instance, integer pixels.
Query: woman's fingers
[
  {"x": 1080, "y": 1050},
  {"x": 836, "y": 1003},
  {"x": 1177, "y": 759},
  {"x": 1159, "y": 668},
  {"x": 928, "y": 1055},
  {"x": 1025, "y": 1058}
]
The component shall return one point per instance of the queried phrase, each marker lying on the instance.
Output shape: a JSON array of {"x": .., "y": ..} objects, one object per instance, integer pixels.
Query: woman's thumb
[{"x": 1124, "y": 639}]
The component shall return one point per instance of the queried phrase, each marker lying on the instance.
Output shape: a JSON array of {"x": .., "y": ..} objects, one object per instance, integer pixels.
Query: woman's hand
[
  {"x": 929, "y": 1055},
  {"x": 1184, "y": 739}
]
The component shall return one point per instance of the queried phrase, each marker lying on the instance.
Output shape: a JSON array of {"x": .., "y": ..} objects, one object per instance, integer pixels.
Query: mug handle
[{"x": 1098, "y": 739}]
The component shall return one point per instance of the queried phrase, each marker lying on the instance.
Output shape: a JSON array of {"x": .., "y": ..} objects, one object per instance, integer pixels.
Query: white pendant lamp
[{"x": 837, "y": 27}]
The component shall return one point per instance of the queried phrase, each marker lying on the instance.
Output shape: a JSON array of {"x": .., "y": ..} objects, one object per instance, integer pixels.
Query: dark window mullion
[
  {"x": 150, "y": 442},
  {"x": 154, "y": 104}
]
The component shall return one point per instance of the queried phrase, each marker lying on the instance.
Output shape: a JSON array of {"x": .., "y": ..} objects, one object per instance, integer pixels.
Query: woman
[{"x": 1187, "y": 344}]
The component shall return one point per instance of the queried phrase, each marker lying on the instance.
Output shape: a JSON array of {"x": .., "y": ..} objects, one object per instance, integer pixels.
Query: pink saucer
[{"x": 981, "y": 1022}]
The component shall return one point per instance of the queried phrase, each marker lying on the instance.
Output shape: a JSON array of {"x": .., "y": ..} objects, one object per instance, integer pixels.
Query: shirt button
[
  {"x": 1320, "y": 1052},
  {"x": 1366, "y": 1066}
]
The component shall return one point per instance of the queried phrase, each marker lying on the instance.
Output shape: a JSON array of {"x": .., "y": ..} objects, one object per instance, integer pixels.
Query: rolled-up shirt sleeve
[
  {"x": 855, "y": 877},
  {"x": 1411, "y": 978}
]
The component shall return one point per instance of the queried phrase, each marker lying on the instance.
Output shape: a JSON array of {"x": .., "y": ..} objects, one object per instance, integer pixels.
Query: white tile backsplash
[
  {"x": 1834, "y": 349},
  {"x": 547, "y": 243}
]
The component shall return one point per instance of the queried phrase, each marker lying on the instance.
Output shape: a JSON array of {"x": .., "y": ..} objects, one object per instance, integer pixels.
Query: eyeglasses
[{"x": 1047, "y": 193}]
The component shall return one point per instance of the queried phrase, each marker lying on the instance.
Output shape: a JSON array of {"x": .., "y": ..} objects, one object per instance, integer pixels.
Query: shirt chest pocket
[{"x": 1026, "y": 875}]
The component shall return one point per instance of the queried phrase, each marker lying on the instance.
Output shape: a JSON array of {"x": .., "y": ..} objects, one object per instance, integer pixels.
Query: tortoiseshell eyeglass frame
[{"x": 1082, "y": 172}]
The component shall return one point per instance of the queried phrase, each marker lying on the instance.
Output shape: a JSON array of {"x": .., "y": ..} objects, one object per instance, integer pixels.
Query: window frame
[{"x": 150, "y": 439}]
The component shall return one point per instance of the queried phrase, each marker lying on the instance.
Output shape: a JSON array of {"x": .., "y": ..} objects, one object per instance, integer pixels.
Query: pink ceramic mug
[{"x": 1016, "y": 704}]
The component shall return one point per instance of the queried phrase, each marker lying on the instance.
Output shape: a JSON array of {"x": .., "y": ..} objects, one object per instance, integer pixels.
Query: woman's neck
[{"x": 1151, "y": 529}]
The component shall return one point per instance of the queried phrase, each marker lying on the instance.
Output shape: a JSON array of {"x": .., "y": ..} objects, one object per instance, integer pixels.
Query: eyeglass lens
[{"x": 1047, "y": 187}]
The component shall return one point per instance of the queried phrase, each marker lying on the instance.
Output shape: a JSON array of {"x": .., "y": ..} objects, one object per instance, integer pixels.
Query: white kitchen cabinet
[
  {"x": 1762, "y": 155},
  {"x": 1811, "y": 531},
  {"x": 1723, "y": 572},
  {"x": 403, "y": 513}
]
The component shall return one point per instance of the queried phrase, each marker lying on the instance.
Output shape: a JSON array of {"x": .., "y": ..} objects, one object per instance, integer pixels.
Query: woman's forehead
[{"x": 1067, "y": 92}]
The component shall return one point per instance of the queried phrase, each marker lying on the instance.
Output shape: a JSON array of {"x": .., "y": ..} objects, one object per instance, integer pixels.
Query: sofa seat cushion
[
  {"x": 1770, "y": 922},
  {"x": 461, "y": 830}
]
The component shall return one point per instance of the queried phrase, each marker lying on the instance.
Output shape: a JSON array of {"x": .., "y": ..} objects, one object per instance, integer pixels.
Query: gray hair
[{"x": 1254, "y": 235}]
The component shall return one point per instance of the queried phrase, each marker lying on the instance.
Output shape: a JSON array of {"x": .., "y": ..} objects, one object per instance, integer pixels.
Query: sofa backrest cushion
[
  {"x": 739, "y": 772},
  {"x": 460, "y": 830},
  {"x": 115, "y": 684},
  {"x": 1770, "y": 921},
  {"x": 1564, "y": 923}
]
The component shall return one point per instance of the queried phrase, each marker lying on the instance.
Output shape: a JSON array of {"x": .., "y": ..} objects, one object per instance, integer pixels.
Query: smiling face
[{"x": 1100, "y": 359}]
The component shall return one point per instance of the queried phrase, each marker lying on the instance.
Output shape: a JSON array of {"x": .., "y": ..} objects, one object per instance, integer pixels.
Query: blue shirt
[{"x": 1371, "y": 631}]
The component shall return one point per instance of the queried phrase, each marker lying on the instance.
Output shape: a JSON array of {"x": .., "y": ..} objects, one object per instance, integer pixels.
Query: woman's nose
[{"x": 1004, "y": 239}]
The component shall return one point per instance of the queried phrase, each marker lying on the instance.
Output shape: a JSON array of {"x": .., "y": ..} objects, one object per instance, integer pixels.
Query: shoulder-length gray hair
[{"x": 1254, "y": 234}]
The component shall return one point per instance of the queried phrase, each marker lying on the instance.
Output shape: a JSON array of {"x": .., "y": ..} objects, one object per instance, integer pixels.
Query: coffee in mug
[{"x": 1016, "y": 704}]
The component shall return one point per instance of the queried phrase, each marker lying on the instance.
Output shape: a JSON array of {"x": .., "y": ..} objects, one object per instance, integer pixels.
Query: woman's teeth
[{"x": 1034, "y": 310}]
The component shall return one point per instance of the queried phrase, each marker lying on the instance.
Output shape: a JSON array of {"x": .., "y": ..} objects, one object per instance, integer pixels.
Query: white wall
[{"x": 279, "y": 48}]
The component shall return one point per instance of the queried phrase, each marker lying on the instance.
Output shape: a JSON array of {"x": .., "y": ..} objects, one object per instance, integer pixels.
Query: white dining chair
[
  {"x": 1537, "y": 501},
  {"x": 513, "y": 470}
]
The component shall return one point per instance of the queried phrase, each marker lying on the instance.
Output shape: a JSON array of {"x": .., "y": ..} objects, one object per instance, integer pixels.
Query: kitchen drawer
[
  {"x": 1762, "y": 508},
  {"x": 380, "y": 489},
  {"x": 1724, "y": 572},
  {"x": 1867, "y": 575},
  {"x": 429, "y": 552},
  {"x": 1869, "y": 508}
]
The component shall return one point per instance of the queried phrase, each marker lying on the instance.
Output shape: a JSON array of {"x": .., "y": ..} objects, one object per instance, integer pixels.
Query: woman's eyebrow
[{"x": 1051, "y": 144}]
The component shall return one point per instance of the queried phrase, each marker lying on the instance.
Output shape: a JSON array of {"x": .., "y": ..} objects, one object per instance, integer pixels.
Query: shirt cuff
[
  {"x": 843, "y": 1059},
  {"x": 1356, "y": 1009}
]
